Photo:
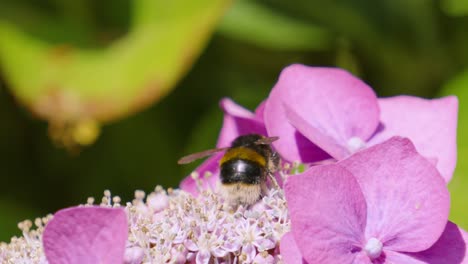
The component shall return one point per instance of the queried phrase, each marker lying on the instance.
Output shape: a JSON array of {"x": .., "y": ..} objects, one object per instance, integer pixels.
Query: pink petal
[
  {"x": 237, "y": 121},
  {"x": 157, "y": 201},
  {"x": 323, "y": 140},
  {"x": 407, "y": 199},
  {"x": 430, "y": 124},
  {"x": 397, "y": 257},
  {"x": 86, "y": 235},
  {"x": 203, "y": 257},
  {"x": 333, "y": 102},
  {"x": 264, "y": 258},
  {"x": 452, "y": 247},
  {"x": 249, "y": 251},
  {"x": 219, "y": 252},
  {"x": 191, "y": 245},
  {"x": 328, "y": 214},
  {"x": 260, "y": 110},
  {"x": 134, "y": 255},
  {"x": 210, "y": 165},
  {"x": 264, "y": 244},
  {"x": 289, "y": 250},
  {"x": 362, "y": 258}
]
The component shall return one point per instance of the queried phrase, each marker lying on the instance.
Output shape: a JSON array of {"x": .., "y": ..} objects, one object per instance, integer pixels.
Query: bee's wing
[
  {"x": 199, "y": 155},
  {"x": 266, "y": 140}
]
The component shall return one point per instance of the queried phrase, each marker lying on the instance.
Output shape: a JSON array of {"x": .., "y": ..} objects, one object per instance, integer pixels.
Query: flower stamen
[
  {"x": 355, "y": 144},
  {"x": 373, "y": 248}
]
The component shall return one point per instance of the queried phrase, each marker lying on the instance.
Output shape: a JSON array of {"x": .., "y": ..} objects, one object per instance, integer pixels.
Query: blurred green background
[{"x": 201, "y": 53}]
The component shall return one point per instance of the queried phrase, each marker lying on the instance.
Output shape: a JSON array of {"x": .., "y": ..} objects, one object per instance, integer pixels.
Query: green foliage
[
  {"x": 459, "y": 184},
  {"x": 65, "y": 82},
  {"x": 257, "y": 24},
  {"x": 12, "y": 213},
  {"x": 455, "y": 7}
]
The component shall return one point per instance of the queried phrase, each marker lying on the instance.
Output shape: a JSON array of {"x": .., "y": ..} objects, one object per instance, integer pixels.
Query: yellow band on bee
[{"x": 243, "y": 153}]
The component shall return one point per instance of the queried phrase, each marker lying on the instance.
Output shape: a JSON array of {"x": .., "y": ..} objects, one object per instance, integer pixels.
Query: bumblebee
[{"x": 244, "y": 168}]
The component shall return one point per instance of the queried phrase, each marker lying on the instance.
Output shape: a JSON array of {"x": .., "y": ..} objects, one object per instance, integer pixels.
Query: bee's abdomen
[
  {"x": 244, "y": 153},
  {"x": 241, "y": 170}
]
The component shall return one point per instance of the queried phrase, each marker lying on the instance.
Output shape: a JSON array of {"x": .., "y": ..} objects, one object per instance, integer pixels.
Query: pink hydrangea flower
[
  {"x": 384, "y": 204},
  {"x": 86, "y": 235},
  {"x": 381, "y": 202},
  {"x": 237, "y": 121},
  {"x": 327, "y": 112}
]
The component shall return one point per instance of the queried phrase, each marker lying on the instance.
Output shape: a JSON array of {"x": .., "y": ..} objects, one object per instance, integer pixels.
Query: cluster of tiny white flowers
[
  {"x": 175, "y": 227},
  {"x": 27, "y": 248},
  {"x": 204, "y": 229}
]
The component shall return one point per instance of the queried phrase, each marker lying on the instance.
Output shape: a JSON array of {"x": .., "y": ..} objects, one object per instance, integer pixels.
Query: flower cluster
[
  {"x": 368, "y": 184},
  {"x": 27, "y": 248},
  {"x": 205, "y": 228},
  {"x": 164, "y": 227}
]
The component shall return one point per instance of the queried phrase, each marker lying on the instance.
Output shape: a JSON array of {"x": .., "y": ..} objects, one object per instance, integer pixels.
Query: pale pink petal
[
  {"x": 407, "y": 199},
  {"x": 328, "y": 214},
  {"x": 134, "y": 255},
  {"x": 232, "y": 245},
  {"x": 86, "y": 235},
  {"x": 289, "y": 250},
  {"x": 191, "y": 245},
  {"x": 178, "y": 256},
  {"x": 265, "y": 258},
  {"x": 264, "y": 244},
  {"x": 249, "y": 251},
  {"x": 336, "y": 104},
  {"x": 157, "y": 201},
  {"x": 219, "y": 252},
  {"x": 430, "y": 124},
  {"x": 451, "y": 247},
  {"x": 203, "y": 257}
]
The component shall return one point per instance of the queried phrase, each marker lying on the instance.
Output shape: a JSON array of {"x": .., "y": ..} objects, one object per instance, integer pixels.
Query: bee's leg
[
  {"x": 264, "y": 190},
  {"x": 273, "y": 166},
  {"x": 273, "y": 180},
  {"x": 274, "y": 162}
]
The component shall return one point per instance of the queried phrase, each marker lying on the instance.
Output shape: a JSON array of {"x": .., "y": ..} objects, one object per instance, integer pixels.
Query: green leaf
[
  {"x": 455, "y": 7},
  {"x": 254, "y": 23},
  {"x": 62, "y": 83},
  {"x": 12, "y": 213},
  {"x": 459, "y": 184}
]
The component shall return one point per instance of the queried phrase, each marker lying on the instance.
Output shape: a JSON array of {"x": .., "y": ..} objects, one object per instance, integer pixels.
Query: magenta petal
[
  {"x": 407, "y": 199},
  {"x": 314, "y": 134},
  {"x": 211, "y": 165},
  {"x": 328, "y": 214},
  {"x": 86, "y": 235},
  {"x": 397, "y": 257},
  {"x": 430, "y": 124},
  {"x": 451, "y": 247},
  {"x": 259, "y": 111},
  {"x": 289, "y": 250},
  {"x": 332, "y": 101},
  {"x": 237, "y": 121}
]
